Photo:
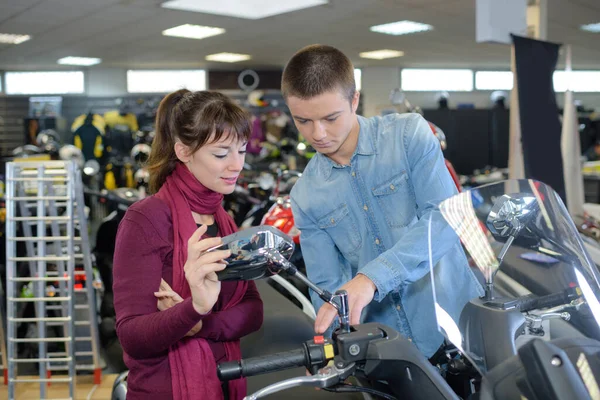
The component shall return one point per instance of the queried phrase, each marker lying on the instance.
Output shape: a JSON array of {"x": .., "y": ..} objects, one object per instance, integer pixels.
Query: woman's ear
[{"x": 182, "y": 152}]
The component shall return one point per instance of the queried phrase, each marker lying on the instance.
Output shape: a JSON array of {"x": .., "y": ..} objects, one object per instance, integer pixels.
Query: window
[
  {"x": 493, "y": 80},
  {"x": 358, "y": 78},
  {"x": 139, "y": 81},
  {"x": 57, "y": 82},
  {"x": 437, "y": 79},
  {"x": 580, "y": 81}
]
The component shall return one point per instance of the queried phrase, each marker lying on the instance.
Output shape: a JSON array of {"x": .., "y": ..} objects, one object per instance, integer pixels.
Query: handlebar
[
  {"x": 110, "y": 197},
  {"x": 310, "y": 355}
]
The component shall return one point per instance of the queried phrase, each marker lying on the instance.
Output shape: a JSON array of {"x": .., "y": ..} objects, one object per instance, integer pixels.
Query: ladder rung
[
  {"x": 32, "y": 380},
  {"x": 47, "y": 319},
  {"x": 47, "y": 258},
  {"x": 55, "y": 323},
  {"x": 83, "y": 339},
  {"x": 41, "y": 238},
  {"x": 33, "y": 299},
  {"x": 30, "y": 219},
  {"x": 44, "y": 279},
  {"x": 35, "y": 360},
  {"x": 33, "y": 179},
  {"x": 36, "y": 340},
  {"x": 79, "y": 273},
  {"x": 81, "y": 367},
  {"x": 77, "y": 354},
  {"x": 81, "y": 306},
  {"x": 82, "y": 323},
  {"x": 37, "y": 198},
  {"x": 54, "y": 307}
]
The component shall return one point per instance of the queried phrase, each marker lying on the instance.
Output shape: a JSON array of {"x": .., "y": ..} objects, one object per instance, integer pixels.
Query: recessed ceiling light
[
  {"x": 84, "y": 61},
  {"x": 228, "y": 57},
  {"x": 249, "y": 9},
  {"x": 595, "y": 28},
  {"x": 13, "y": 39},
  {"x": 381, "y": 54},
  {"x": 193, "y": 31},
  {"x": 401, "y": 28}
]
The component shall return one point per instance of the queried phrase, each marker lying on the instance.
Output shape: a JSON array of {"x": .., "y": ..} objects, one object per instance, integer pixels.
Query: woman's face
[{"x": 216, "y": 165}]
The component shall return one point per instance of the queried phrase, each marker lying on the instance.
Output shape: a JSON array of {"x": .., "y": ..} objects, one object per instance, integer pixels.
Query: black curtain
[{"x": 540, "y": 124}]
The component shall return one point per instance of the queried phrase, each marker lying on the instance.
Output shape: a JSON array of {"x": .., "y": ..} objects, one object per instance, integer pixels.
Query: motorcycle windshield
[{"x": 532, "y": 275}]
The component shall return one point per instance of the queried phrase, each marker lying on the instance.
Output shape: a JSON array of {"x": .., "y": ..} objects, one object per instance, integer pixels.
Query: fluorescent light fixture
[
  {"x": 83, "y": 61},
  {"x": 595, "y": 28},
  {"x": 433, "y": 80},
  {"x": 249, "y": 9},
  {"x": 189, "y": 31},
  {"x": 493, "y": 80},
  {"x": 228, "y": 57},
  {"x": 13, "y": 39},
  {"x": 381, "y": 54},
  {"x": 55, "y": 82},
  {"x": 401, "y": 28},
  {"x": 165, "y": 81}
]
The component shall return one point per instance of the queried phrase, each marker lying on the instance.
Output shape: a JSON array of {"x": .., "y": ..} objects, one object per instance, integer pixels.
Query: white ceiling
[{"x": 127, "y": 34}]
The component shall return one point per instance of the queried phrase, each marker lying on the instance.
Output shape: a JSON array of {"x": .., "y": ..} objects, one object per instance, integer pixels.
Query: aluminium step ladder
[
  {"x": 3, "y": 340},
  {"x": 47, "y": 275}
]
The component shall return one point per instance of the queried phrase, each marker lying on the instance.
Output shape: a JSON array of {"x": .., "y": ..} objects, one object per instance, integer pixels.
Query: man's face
[{"x": 326, "y": 120}]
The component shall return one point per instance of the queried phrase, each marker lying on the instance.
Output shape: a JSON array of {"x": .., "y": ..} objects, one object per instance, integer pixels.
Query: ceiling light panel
[
  {"x": 10, "y": 38},
  {"x": 401, "y": 28},
  {"x": 381, "y": 54},
  {"x": 189, "y": 31},
  {"x": 83, "y": 61},
  {"x": 595, "y": 28},
  {"x": 228, "y": 57},
  {"x": 249, "y": 9}
]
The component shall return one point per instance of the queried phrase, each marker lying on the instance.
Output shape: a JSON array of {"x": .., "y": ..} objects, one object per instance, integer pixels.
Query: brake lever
[{"x": 327, "y": 377}]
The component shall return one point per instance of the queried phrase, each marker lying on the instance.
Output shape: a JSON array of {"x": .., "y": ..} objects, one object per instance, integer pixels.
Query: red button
[{"x": 319, "y": 340}]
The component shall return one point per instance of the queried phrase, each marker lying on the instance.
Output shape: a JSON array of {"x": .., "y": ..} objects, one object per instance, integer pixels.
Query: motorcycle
[{"x": 509, "y": 343}]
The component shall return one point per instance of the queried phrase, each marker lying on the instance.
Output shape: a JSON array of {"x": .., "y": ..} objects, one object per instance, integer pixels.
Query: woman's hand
[
  {"x": 167, "y": 298},
  {"x": 201, "y": 270}
]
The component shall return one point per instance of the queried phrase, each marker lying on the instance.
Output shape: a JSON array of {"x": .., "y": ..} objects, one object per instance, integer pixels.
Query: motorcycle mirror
[
  {"x": 250, "y": 250},
  {"x": 510, "y": 214},
  {"x": 91, "y": 168}
]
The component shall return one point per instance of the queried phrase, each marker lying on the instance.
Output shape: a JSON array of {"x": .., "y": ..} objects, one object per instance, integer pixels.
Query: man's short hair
[{"x": 317, "y": 69}]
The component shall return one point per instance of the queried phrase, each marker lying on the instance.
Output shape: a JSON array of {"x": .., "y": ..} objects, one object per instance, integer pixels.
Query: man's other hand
[{"x": 360, "y": 293}]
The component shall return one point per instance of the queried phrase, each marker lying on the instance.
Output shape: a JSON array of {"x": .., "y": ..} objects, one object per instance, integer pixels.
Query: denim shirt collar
[{"x": 366, "y": 146}]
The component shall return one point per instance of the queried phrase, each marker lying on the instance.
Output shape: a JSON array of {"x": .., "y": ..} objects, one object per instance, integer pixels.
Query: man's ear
[
  {"x": 355, "y": 100},
  {"x": 182, "y": 152}
]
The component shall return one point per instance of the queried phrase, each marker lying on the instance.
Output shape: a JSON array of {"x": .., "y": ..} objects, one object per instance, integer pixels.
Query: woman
[{"x": 175, "y": 320}]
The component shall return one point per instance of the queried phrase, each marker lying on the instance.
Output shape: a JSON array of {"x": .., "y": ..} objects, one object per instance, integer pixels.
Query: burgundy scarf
[{"x": 193, "y": 367}]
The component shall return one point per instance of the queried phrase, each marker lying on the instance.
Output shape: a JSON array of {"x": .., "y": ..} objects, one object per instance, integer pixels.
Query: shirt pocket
[
  {"x": 342, "y": 228},
  {"x": 396, "y": 200}
]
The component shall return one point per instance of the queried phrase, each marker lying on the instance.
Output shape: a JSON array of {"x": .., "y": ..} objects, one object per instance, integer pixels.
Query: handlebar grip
[
  {"x": 262, "y": 364},
  {"x": 529, "y": 303}
]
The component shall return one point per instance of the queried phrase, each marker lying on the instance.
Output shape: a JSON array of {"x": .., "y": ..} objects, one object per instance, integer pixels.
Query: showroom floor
[{"x": 85, "y": 389}]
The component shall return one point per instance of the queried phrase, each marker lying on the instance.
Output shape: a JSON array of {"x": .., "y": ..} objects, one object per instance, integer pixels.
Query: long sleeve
[
  {"x": 143, "y": 330},
  {"x": 325, "y": 265},
  {"x": 408, "y": 260},
  {"x": 236, "y": 322}
]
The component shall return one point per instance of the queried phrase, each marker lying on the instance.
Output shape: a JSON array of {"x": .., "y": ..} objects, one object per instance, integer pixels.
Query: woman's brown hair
[{"x": 194, "y": 118}]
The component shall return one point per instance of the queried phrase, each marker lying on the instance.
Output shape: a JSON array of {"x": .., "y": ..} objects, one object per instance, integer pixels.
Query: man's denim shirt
[{"x": 373, "y": 216}]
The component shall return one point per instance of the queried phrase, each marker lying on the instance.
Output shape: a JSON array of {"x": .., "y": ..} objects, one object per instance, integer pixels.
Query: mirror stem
[{"x": 339, "y": 300}]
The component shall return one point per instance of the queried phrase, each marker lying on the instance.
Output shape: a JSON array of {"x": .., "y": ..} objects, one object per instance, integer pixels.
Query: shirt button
[
  {"x": 376, "y": 241},
  {"x": 398, "y": 308},
  {"x": 332, "y": 221},
  {"x": 353, "y": 173},
  {"x": 409, "y": 339},
  {"x": 392, "y": 187},
  {"x": 365, "y": 208}
]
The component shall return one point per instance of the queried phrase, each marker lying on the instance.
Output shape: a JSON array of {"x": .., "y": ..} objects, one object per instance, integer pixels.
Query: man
[{"x": 364, "y": 203}]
